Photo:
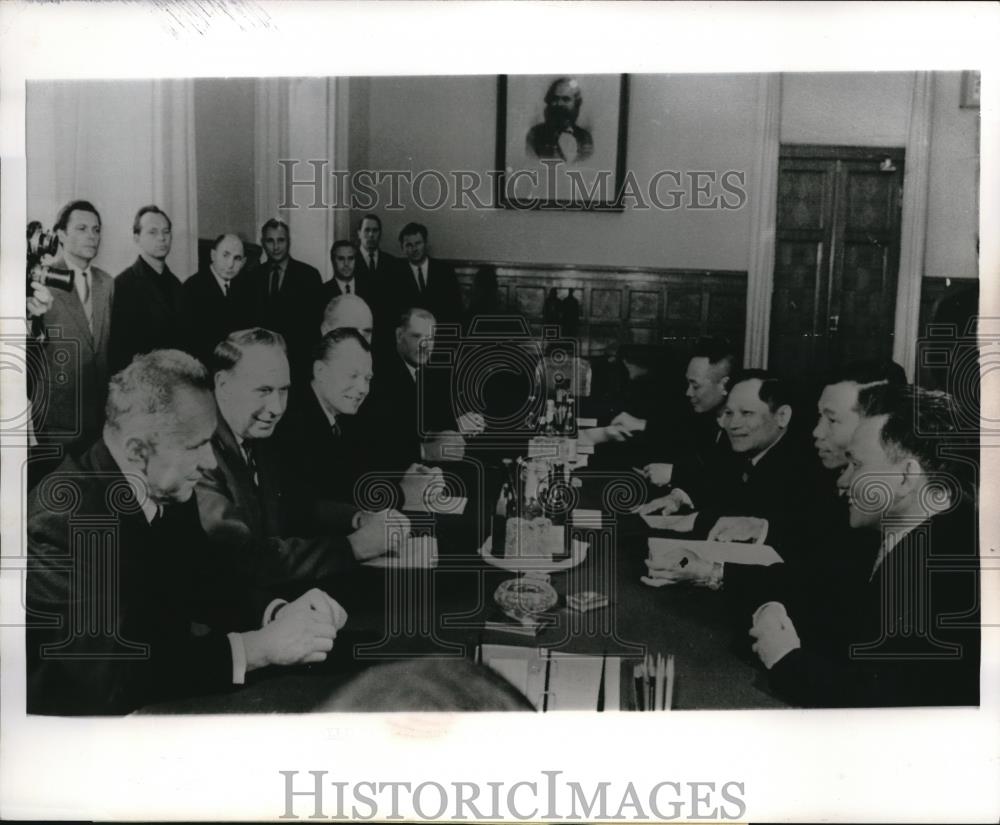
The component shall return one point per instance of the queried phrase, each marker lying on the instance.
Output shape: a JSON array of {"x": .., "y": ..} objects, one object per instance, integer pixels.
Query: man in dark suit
[
  {"x": 685, "y": 445},
  {"x": 285, "y": 295},
  {"x": 241, "y": 499},
  {"x": 72, "y": 341},
  {"x": 373, "y": 264},
  {"x": 215, "y": 300},
  {"x": 119, "y": 568},
  {"x": 325, "y": 448},
  {"x": 768, "y": 474},
  {"x": 147, "y": 311},
  {"x": 411, "y": 413},
  {"x": 906, "y": 631},
  {"x": 347, "y": 280},
  {"x": 423, "y": 282}
]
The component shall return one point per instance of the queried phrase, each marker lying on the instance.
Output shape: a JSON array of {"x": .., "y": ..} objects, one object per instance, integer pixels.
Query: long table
[{"x": 404, "y": 613}]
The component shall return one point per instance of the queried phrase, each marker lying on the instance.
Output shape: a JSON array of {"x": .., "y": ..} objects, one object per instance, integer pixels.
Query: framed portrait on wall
[{"x": 561, "y": 141}]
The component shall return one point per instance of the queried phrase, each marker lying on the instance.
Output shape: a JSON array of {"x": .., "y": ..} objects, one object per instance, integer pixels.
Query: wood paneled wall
[{"x": 626, "y": 305}]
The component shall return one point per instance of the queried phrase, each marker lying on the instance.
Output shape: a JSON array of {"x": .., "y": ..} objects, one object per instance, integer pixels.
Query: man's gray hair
[
  {"x": 145, "y": 392},
  {"x": 229, "y": 352}
]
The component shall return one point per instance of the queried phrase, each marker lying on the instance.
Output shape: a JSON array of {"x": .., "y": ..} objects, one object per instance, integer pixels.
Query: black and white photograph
[
  {"x": 349, "y": 407},
  {"x": 562, "y": 142}
]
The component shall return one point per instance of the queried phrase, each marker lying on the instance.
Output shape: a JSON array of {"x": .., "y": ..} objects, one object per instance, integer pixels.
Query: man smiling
[
  {"x": 241, "y": 500},
  {"x": 323, "y": 446},
  {"x": 124, "y": 598},
  {"x": 905, "y": 632}
]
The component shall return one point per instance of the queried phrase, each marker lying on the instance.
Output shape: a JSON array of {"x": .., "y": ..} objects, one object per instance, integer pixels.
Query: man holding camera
[{"x": 72, "y": 331}]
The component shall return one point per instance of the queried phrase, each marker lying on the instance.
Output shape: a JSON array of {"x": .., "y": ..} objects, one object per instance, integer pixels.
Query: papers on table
[
  {"x": 679, "y": 524},
  {"x": 558, "y": 681},
  {"x": 727, "y": 552}
]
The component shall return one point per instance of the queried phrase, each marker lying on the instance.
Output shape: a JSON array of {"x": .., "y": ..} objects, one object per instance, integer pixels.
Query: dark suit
[
  {"x": 209, "y": 315},
  {"x": 441, "y": 296},
  {"x": 69, "y": 394},
  {"x": 147, "y": 313},
  {"x": 542, "y": 141},
  {"x": 241, "y": 515},
  {"x": 399, "y": 414},
  {"x": 379, "y": 286},
  {"x": 906, "y": 635},
  {"x": 782, "y": 487},
  {"x": 387, "y": 264},
  {"x": 362, "y": 286},
  {"x": 295, "y": 311},
  {"x": 319, "y": 467},
  {"x": 97, "y": 545}
]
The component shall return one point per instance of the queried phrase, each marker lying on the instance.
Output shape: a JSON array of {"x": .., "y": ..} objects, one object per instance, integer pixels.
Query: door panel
[{"x": 836, "y": 257}]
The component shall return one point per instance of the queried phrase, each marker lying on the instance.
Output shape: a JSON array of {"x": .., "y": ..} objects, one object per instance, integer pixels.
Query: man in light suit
[
  {"x": 73, "y": 335},
  {"x": 241, "y": 499},
  {"x": 423, "y": 282},
  {"x": 147, "y": 312}
]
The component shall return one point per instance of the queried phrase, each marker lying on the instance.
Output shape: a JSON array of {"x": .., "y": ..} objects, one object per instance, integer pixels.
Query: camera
[{"x": 42, "y": 248}]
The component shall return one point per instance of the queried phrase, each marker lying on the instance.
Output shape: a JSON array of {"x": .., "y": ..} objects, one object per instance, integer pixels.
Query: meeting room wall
[
  {"x": 873, "y": 109},
  {"x": 675, "y": 122},
  {"x": 224, "y": 113}
]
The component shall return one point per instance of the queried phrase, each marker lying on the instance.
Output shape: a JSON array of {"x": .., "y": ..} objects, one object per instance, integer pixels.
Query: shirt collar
[
  {"x": 220, "y": 281},
  {"x": 280, "y": 266},
  {"x": 411, "y": 369}
]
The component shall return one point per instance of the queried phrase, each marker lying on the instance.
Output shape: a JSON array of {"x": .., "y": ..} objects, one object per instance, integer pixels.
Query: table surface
[{"x": 399, "y": 614}]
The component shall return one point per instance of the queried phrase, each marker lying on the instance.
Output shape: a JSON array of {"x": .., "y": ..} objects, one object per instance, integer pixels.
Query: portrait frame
[{"x": 591, "y": 182}]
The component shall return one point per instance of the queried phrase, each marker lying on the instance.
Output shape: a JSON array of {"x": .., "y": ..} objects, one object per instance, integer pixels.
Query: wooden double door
[{"x": 836, "y": 257}]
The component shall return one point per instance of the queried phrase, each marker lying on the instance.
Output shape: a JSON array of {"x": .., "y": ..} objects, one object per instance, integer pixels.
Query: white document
[
  {"x": 680, "y": 524},
  {"x": 727, "y": 552}
]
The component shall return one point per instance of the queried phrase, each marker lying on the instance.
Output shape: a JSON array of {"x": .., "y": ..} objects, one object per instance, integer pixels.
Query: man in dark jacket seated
[
  {"x": 905, "y": 631},
  {"x": 119, "y": 568},
  {"x": 767, "y": 475}
]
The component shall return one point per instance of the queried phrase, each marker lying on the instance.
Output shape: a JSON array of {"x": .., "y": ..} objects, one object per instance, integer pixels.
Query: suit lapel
[
  {"x": 74, "y": 309},
  {"x": 99, "y": 303}
]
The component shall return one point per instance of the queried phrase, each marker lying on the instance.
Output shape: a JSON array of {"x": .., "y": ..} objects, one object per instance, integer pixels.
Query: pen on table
[
  {"x": 649, "y": 681},
  {"x": 669, "y": 701},
  {"x": 660, "y": 687},
  {"x": 637, "y": 687}
]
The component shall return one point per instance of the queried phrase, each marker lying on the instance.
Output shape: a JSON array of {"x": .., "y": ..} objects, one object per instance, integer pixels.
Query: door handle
[{"x": 834, "y": 323}]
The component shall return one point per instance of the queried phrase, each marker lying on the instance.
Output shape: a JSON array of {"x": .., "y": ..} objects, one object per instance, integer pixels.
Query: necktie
[
  {"x": 275, "y": 284},
  {"x": 335, "y": 429},
  {"x": 251, "y": 463},
  {"x": 420, "y": 278},
  {"x": 88, "y": 308},
  {"x": 347, "y": 287},
  {"x": 225, "y": 288}
]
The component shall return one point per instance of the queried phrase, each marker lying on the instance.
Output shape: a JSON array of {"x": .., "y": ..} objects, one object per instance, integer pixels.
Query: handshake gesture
[{"x": 302, "y": 632}]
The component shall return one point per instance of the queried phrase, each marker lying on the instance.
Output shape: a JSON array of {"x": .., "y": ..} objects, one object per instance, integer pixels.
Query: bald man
[
  {"x": 350, "y": 312},
  {"x": 215, "y": 298}
]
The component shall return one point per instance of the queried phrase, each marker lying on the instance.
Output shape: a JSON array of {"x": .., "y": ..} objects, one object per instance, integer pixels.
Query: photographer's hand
[{"x": 40, "y": 301}]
